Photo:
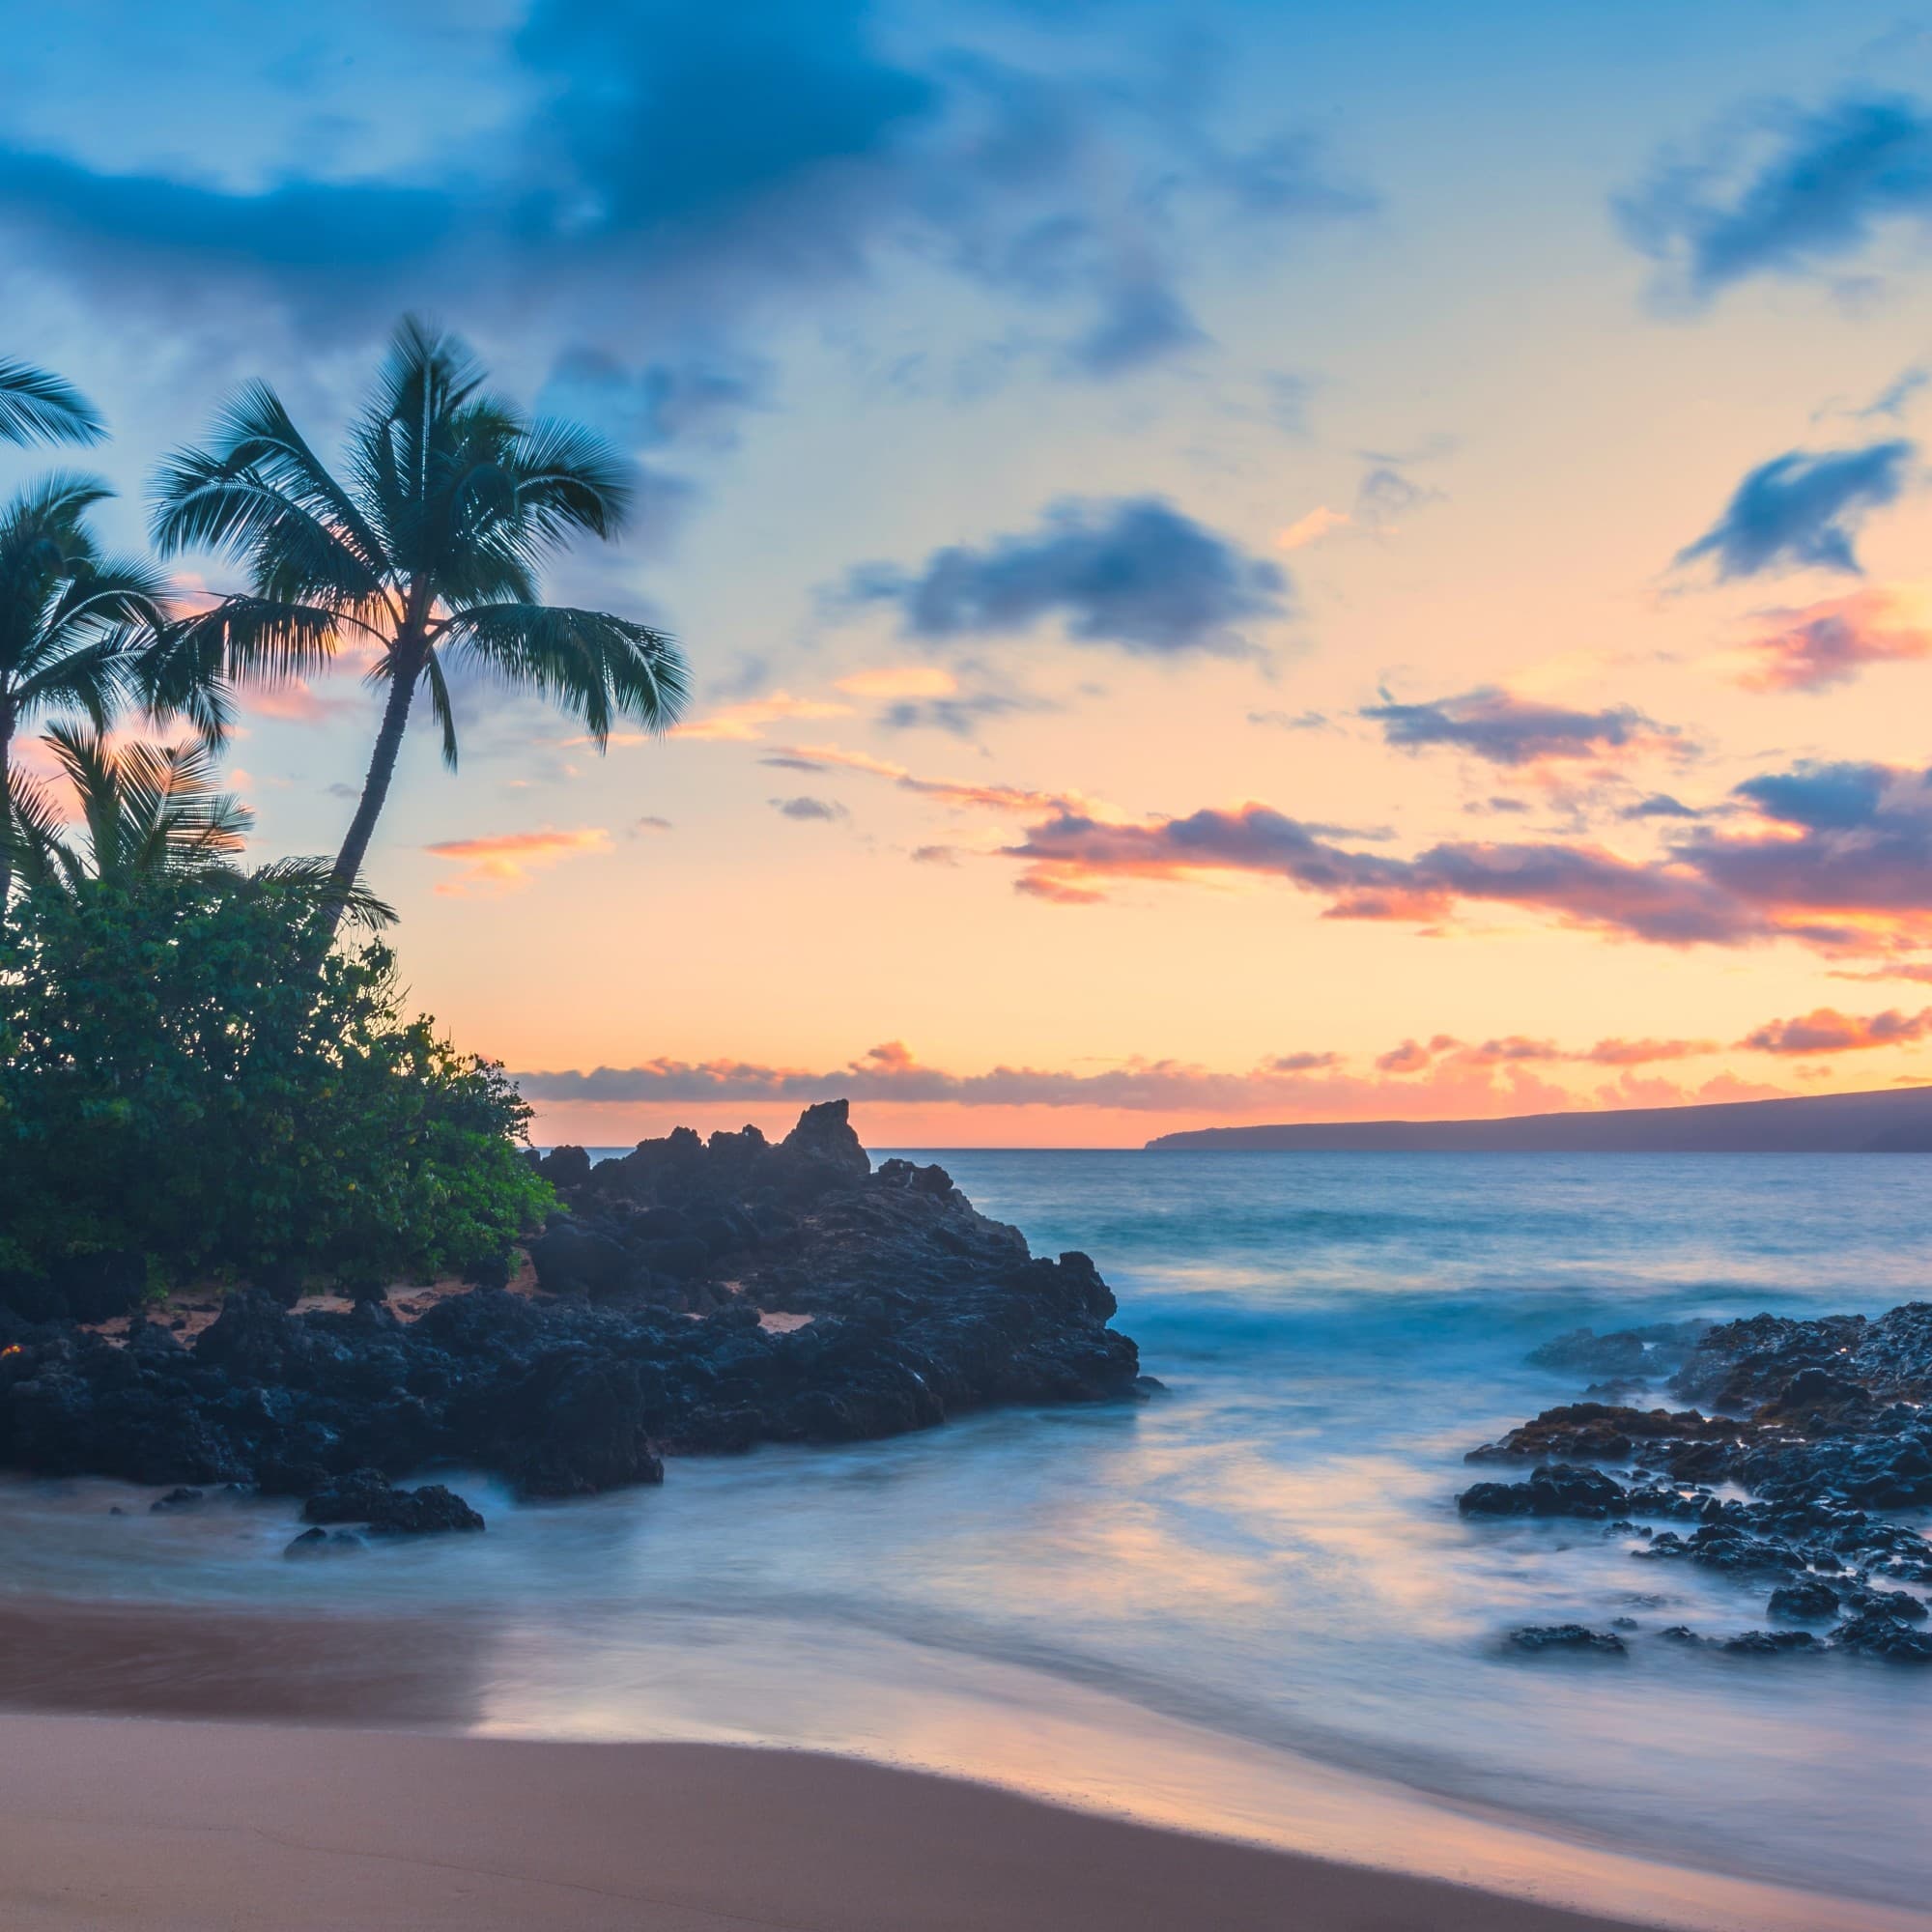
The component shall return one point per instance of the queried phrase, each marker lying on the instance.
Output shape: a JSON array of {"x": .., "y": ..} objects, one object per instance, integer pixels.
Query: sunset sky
[{"x": 1241, "y": 561}]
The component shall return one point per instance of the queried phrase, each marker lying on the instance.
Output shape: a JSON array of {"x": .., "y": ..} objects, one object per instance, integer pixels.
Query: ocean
[{"x": 1208, "y": 1607}]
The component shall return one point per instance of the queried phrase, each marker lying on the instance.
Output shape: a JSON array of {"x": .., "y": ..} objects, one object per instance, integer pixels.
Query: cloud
[
  {"x": 1290, "y": 720},
  {"x": 505, "y": 860},
  {"x": 958, "y": 716},
  {"x": 1803, "y": 511},
  {"x": 1386, "y": 494},
  {"x": 691, "y": 401},
  {"x": 1826, "y": 1030},
  {"x": 661, "y": 175},
  {"x": 935, "y": 855},
  {"x": 900, "y": 681},
  {"x": 743, "y": 723},
  {"x": 1826, "y": 645},
  {"x": 802, "y": 807},
  {"x": 1507, "y": 730},
  {"x": 949, "y": 791},
  {"x": 1317, "y": 524},
  {"x": 1836, "y": 857},
  {"x": 1645, "y": 1052},
  {"x": 1659, "y": 805},
  {"x": 1804, "y": 190},
  {"x": 1446, "y": 1079},
  {"x": 1893, "y": 401},
  {"x": 650, "y": 822},
  {"x": 295, "y": 700},
  {"x": 1133, "y": 573}
]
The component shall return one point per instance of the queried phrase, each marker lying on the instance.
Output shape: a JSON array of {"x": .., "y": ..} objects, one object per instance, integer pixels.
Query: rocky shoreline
[
  {"x": 1788, "y": 1462},
  {"x": 696, "y": 1297}
]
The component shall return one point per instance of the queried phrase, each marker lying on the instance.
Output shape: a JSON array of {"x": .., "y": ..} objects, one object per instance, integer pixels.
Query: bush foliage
[{"x": 179, "y": 1081}]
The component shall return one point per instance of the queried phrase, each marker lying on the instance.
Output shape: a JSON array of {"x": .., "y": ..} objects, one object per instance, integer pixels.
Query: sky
[{"x": 1241, "y": 562}]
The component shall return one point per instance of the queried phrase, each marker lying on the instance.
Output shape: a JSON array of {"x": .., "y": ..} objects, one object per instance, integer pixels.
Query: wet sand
[
  {"x": 175, "y": 1767},
  {"x": 173, "y": 1827}
]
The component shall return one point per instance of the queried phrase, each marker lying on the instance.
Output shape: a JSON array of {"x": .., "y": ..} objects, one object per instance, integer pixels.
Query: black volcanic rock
[
  {"x": 1567, "y": 1640},
  {"x": 368, "y": 1498},
  {"x": 1824, "y": 1427},
  {"x": 1557, "y": 1490},
  {"x": 907, "y": 1307}
]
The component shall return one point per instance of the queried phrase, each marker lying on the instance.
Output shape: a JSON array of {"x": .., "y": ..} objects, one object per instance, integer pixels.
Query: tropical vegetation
[{"x": 197, "y": 1075}]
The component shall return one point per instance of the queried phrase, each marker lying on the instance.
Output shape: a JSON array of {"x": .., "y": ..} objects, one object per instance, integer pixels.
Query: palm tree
[
  {"x": 71, "y": 619},
  {"x": 152, "y": 809},
  {"x": 427, "y": 553},
  {"x": 36, "y": 407}
]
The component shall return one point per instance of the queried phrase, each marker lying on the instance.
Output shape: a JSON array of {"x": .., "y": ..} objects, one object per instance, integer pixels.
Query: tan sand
[{"x": 110, "y": 1822}]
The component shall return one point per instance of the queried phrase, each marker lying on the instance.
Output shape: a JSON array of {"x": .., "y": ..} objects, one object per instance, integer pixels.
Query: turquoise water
[{"x": 1266, "y": 1558}]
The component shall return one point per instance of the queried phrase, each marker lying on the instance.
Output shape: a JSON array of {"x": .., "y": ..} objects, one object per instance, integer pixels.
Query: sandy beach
[{"x": 207, "y": 1827}]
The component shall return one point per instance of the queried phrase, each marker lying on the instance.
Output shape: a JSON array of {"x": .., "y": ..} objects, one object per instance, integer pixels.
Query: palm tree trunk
[
  {"x": 407, "y": 663},
  {"x": 6, "y": 808}
]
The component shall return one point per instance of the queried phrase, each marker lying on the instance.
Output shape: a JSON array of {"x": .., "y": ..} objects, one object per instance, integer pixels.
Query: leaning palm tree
[
  {"x": 147, "y": 811},
  {"x": 71, "y": 620},
  {"x": 36, "y": 407},
  {"x": 427, "y": 553}
]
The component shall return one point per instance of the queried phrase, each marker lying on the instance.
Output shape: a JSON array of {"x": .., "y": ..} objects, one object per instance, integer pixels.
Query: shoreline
[
  {"x": 176, "y": 1825},
  {"x": 118, "y": 1722}
]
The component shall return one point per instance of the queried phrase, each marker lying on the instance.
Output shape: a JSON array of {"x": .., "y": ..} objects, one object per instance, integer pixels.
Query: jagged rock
[
  {"x": 1825, "y": 1426},
  {"x": 1567, "y": 1639},
  {"x": 368, "y": 1497},
  {"x": 921, "y": 1309},
  {"x": 1876, "y": 1635},
  {"x": 1555, "y": 1489},
  {"x": 313, "y": 1542},
  {"x": 1768, "y": 1643},
  {"x": 1624, "y": 1353},
  {"x": 1811, "y": 1600}
]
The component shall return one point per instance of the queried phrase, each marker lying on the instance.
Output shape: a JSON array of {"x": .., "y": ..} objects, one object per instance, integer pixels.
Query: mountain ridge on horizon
[{"x": 1892, "y": 1119}]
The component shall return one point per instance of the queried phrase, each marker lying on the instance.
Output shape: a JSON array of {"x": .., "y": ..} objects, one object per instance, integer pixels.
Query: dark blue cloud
[
  {"x": 1134, "y": 572},
  {"x": 1811, "y": 196},
  {"x": 669, "y": 174},
  {"x": 1802, "y": 511},
  {"x": 696, "y": 400},
  {"x": 1835, "y": 797},
  {"x": 1508, "y": 731},
  {"x": 808, "y": 809}
]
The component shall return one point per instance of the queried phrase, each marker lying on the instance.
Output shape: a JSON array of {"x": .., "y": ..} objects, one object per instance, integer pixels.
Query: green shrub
[{"x": 177, "y": 1078}]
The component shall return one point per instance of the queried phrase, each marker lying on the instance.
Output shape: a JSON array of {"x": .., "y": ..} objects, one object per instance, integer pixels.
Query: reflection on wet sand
[{"x": 176, "y": 1663}]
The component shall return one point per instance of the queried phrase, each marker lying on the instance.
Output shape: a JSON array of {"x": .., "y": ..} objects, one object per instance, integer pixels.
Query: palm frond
[
  {"x": 312, "y": 879},
  {"x": 32, "y": 847},
  {"x": 568, "y": 480},
  {"x": 441, "y": 708},
  {"x": 39, "y": 407},
  {"x": 597, "y": 667}
]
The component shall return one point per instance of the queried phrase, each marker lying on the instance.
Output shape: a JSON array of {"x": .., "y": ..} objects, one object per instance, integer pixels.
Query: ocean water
[{"x": 1202, "y": 1607}]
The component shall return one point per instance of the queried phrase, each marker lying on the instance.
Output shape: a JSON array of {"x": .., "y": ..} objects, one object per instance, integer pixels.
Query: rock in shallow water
[
  {"x": 1567, "y": 1639},
  {"x": 1827, "y": 1426}
]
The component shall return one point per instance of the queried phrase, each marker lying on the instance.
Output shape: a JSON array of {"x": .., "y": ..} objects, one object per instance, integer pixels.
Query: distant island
[{"x": 1896, "y": 1119}]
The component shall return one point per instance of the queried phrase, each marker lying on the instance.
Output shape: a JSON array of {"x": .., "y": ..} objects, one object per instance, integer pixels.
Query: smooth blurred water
[{"x": 1267, "y": 1554}]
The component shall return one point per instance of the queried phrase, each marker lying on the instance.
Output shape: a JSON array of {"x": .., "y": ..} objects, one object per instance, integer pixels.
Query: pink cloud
[
  {"x": 1826, "y": 1030},
  {"x": 505, "y": 862},
  {"x": 1825, "y": 644}
]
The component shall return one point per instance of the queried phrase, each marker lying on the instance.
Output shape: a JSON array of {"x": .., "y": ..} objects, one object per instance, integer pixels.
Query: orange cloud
[
  {"x": 1444, "y": 1081},
  {"x": 743, "y": 723},
  {"x": 989, "y": 797},
  {"x": 900, "y": 681},
  {"x": 1317, "y": 524},
  {"x": 1825, "y": 644},
  {"x": 1826, "y": 1030},
  {"x": 505, "y": 863}
]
